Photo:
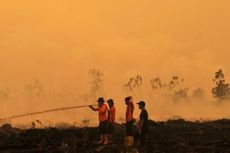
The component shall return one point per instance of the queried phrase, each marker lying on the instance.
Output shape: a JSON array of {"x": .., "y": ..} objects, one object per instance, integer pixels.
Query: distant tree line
[{"x": 175, "y": 88}]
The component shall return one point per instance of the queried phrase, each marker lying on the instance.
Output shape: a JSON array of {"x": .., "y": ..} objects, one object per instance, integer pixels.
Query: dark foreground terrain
[{"x": 175, "y": 136}]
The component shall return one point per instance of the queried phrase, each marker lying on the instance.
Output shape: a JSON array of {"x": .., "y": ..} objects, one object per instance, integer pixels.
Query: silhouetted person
[
  {"x": 103, "y": 120},
  {"x": 143, "y": 124},
  {"x": 129, "y": 121},
  {"x": 111, "y": 119}
]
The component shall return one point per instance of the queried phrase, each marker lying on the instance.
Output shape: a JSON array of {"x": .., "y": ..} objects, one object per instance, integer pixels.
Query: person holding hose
[{"x": 103, "y": 120}]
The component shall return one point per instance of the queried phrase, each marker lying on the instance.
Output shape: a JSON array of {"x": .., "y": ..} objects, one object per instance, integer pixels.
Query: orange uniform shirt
[
  {"x": 102, "y": 113},
  {"x": 129, "y": 112},
  {"x": 111, "y": 115}
]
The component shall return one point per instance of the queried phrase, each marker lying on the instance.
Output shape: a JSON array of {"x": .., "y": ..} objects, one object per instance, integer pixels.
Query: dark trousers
[
  {"x": 141, "y": 137},
  {"x": 129, "y": 128},
  {"x": 103, "y": 127},
  {"x": 110, "y": 128}
]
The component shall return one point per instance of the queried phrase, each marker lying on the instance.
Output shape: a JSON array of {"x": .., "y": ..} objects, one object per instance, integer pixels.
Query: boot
[
  {"x": 130, "y": 141},
  {"x": 101, "y": 139},
  {"x": 106, "y": 139},
  {"x": 110, "y": 138}
]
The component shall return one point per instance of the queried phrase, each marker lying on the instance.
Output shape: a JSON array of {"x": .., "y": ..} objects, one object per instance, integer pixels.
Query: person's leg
[
  {"x": 129, "y": 133},
  {"x": 137, "y": 138},
  {"x": 142, "y": 140},
  {"x": 131, "y": 138},
  {"x": 143, "y": 137},
  {"x": 101, "y": 133},
  {"x": 105, "y": 131},
  {"x": 110, "y": 132}
]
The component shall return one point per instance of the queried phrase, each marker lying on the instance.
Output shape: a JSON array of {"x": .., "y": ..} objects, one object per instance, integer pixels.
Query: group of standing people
[{"x": 107, "y": 121}]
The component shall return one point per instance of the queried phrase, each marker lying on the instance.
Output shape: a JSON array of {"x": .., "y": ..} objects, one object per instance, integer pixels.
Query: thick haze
[{"x": 58, "y": 41}]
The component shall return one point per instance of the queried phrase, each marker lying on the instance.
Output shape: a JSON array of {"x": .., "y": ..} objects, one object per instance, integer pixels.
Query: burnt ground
[{"x": 175, "y": 136}]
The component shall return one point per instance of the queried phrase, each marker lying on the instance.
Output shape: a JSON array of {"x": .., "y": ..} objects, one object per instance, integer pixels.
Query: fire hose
[{"x": 45, "y": 111}]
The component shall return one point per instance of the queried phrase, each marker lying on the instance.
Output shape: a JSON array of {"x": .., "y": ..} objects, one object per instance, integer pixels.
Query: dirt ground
[{"x": 174, "y": 136}]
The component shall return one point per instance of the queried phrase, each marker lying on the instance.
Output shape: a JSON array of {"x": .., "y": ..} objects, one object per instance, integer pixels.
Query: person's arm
[
  {"x": 112, "y": 116},
  {"x": 94, "y": 109},
  {"x": 132, "y": 106}
]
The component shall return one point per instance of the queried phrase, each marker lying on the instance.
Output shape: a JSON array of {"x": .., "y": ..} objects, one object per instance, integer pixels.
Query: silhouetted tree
[
  {"x": 133, "y": 86},
  {"x": 159, "y": 86},
  {"x": 179, "y": 91},
  {"x": 222, "y": 89},
  {"x": 156, "y": 83},
  {"x": 133, "y": 83},
  {"x": 174, "y": 89}
]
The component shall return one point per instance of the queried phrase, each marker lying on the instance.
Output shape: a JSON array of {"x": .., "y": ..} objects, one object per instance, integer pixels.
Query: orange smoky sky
[{"x": 58, "y": 41}]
